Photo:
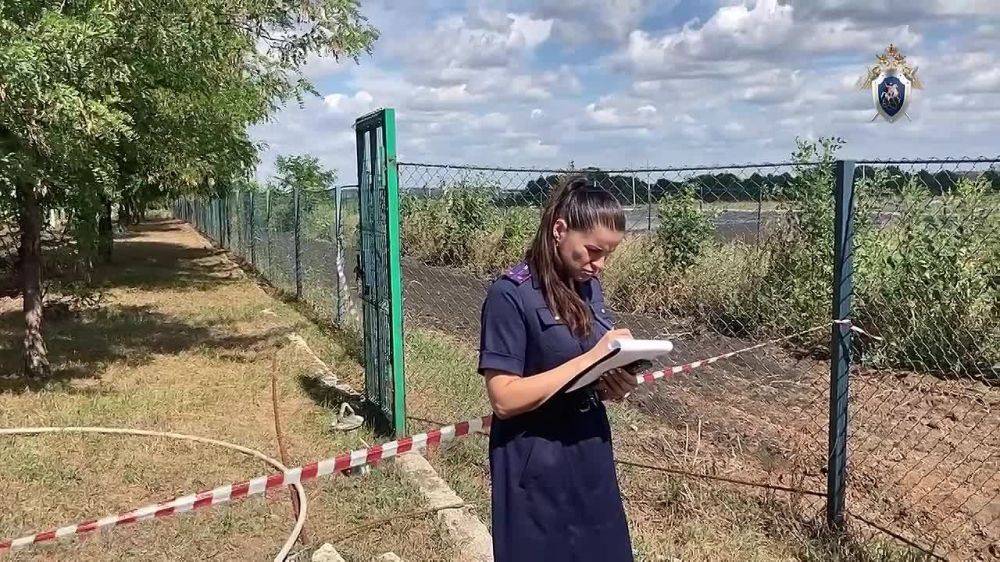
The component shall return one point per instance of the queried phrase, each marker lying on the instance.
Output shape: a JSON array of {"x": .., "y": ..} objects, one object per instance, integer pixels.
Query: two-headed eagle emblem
[{"x": 890, "y": 81}]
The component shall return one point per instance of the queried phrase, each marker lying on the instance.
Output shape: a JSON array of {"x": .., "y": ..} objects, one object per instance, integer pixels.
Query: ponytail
[{"x": 583, "y": 207}]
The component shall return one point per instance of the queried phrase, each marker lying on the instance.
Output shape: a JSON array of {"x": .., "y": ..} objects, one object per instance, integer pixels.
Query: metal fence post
[
  {"x": 250, "y": 226},
  {"x": 649, "y": 207},
  {"x": 338, "y": 307},
  {"x": 240, "y": 210},
  {"x": 220, "y": 217},
  {"x": 395, "y": 271},
  {"x": 223, "y": 221},
  {"x": 298, "y": 246},
  {"x": 267, "y": 229},
  {"x": 760, "y": 205},
  {"x": 840, "y": 342}
]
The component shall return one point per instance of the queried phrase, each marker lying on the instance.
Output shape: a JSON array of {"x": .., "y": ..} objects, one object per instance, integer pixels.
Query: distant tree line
[{"x": 727, "y": 186}]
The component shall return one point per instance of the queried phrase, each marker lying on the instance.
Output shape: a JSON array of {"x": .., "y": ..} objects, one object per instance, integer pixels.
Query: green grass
[
  {"x": 669, "y": 517},
  {"x": 193, "y": 355}
]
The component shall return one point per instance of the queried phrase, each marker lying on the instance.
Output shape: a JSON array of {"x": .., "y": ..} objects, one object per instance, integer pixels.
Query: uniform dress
[{"x": 555, "y": 490}]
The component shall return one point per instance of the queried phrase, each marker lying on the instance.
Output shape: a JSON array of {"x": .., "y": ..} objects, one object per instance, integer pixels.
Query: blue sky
[{"x": 635, "y": 83}]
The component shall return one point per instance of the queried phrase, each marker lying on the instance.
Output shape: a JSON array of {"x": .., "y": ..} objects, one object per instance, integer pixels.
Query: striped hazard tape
[
  {"x": 258, "y": 485},
  {"x": 339, "y": 463},
  {"x": 652, "y": 376}
]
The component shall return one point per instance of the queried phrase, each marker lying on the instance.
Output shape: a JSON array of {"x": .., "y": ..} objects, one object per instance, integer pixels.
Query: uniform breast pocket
[
  {"x": 603, "y": 315},
  {"x": 556, "y": 339}
]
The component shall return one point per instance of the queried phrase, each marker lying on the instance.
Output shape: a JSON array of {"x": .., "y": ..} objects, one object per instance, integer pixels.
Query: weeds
[{"x": 927, "y": 261}]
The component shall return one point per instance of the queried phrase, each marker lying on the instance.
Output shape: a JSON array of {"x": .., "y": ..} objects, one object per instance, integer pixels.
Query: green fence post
[
  {"x": 649, "y": 207},
  {"x": 218, "y": 221},
  {"x": 298, "y": 236},
  {"x": 267, "y": 231},
  {"x": 253, "y": 235},
  {"x": 338, "y": 307},
  {"x": 840, "y": 342},
  {"x": 381, "y": 268},
  {"x": 395, "y": 273}
]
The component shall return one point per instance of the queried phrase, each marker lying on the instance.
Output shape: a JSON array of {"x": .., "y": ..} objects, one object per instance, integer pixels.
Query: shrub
[
  {"x": 719, "y": 290},
  {"x": 426, "y": 229},
  {"x": 928, "y": 283},
  {"x": 463, "y": 228},
  {"x": 790, "y": 290},
  {"x": 502, "y": 242},
  {"x": 683, "y": 230}
]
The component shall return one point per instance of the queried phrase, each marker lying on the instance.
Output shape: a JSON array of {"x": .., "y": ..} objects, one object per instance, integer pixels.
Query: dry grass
[
  {"x": 671, "y": 517},
  {"x": 185, "y": 343}
]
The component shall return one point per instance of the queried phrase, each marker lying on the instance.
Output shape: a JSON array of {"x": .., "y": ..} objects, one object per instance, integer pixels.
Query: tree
[
  {"x": 305, "y": 174},
  {"x": 105, "y": 101}
]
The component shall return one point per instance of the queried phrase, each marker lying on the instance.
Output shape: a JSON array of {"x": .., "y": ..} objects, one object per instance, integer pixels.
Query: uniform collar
[{"x": 535, "y": 279}]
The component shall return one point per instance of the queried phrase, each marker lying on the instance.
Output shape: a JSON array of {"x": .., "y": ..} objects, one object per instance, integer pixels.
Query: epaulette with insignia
[{"x": 519, "y": 273}]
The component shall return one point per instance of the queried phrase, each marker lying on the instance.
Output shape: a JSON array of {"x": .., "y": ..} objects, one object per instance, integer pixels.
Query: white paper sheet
[{"x": 621, "y": 353}]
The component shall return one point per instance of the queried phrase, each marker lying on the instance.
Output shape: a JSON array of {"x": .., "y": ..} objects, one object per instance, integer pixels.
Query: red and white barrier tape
[
  {"x": 258, "y": 485},
  {"x": 650, "y": 377},
  {"x": 353, "y": 459}
]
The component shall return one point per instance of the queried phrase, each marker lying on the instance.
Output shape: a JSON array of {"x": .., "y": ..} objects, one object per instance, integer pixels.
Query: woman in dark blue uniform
[{"x": 555, "y": 489}]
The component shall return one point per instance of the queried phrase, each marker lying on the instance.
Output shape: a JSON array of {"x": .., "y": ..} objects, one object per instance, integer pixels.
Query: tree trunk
[
  {"x": 105, "y": 233},
  {"x": 36, "y": 361},
  {"x": 125, "y": 213}
]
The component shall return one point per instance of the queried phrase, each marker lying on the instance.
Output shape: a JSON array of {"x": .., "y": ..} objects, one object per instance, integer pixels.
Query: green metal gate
[{"x": 381, "y": 274}]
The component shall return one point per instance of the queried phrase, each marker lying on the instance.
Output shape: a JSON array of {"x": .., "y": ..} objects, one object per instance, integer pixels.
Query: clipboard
[{"x": 621, "y": 353}]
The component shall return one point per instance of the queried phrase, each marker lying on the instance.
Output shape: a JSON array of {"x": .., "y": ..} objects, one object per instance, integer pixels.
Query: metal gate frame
[{"x": 381, "y": 272}]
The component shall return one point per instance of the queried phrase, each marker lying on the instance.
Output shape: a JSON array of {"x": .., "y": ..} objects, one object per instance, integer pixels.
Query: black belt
[{"x": 577, "y": 401}]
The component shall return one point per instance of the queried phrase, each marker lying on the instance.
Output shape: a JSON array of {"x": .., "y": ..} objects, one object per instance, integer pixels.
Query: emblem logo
[{"x": 892, "y": 81}]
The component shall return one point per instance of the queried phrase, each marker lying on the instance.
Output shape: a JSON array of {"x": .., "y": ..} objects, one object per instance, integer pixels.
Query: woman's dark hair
[{"x": 583, "y": 207}]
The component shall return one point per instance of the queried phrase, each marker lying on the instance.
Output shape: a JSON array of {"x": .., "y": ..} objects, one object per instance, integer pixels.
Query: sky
[{"x": 649, "y": 83}]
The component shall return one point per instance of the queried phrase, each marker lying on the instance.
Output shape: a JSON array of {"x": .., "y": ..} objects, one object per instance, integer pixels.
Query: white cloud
[
  {"x": 482, "y": 81},
  {"x": 484, "y": 41},
  {"x": 360, "y": 102},
  {"x": 736, "y": 35},
  {"x": 494, "y": 121},
  {"x": 734, "y": 127},
  {"x": 584, "y": 21},
  {"x": 427, "y": 98},
  {"x": 985, "y": 80},
  {"x": 528, "y": 32},
  {"x": 319, "y": 68},
  {"x": 890, "y": 12},
  {"x": 616, "y": 112}
]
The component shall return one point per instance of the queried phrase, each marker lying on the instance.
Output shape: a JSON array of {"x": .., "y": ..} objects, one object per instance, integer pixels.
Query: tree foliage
[{"x": 131, "y": 101}]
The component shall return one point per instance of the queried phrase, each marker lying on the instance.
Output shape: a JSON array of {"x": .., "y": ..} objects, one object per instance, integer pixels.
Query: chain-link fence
[
  {"x": 924, "y": 419},
  {"x": 719, "y": 259},
  {"x": 707, "y": 262},
  {"x": 716, "y": 259},
  {"x": 302, "y": 242}
]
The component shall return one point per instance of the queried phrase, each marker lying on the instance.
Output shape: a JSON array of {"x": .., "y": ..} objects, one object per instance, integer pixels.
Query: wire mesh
[
  {"x": 281, "y": 229},
  {"x": 259, "y": 227},
  {"x": 923, "y": 412},
  {"x": 715, "y": 259},
  {"x": 317, "y": 247}
]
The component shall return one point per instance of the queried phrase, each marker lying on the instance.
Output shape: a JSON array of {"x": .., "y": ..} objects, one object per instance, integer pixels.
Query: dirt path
[{"x": 184, "y": 342}]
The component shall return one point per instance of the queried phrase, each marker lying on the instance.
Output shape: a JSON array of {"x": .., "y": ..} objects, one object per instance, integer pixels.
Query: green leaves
[
  {"x": 130, "y": 101},
  {"x": 683, "y": 229}
]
